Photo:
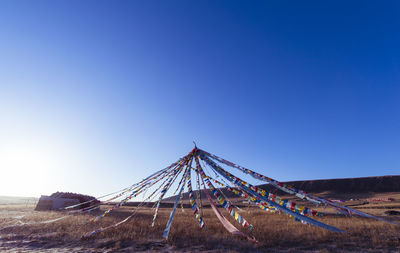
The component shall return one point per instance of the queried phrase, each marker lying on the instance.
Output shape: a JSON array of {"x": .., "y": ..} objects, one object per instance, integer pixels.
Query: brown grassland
[{"x": 275, "y": 233}]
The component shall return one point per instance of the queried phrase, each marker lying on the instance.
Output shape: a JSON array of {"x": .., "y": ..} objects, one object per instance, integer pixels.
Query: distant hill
[
  {"x": 349, "y": 185},
  {"x": 7, "y": 200},
  {"x": 361, "y": 186}
]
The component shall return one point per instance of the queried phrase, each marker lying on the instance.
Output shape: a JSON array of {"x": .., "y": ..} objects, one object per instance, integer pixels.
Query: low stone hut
[
  {"x": 54, "y": 203},
  {"x": 60, "y": 200}
]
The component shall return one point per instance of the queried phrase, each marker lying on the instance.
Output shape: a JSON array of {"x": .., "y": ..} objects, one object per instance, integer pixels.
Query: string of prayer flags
[
  {"x": 227, "y": 225},
  {"x": 243, "y": 185},
  {"x": 299, "y": 193},
  {"x": 180, "y": 173},
  {"x": 164, "y": 191},
  {"x": 222, "y": 200},
  {"x": 193, "y": 203},
  {"x": 171, "y": 217}
]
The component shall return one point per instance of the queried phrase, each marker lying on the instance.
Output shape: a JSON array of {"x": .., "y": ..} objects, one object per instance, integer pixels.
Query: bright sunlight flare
[{"x": 25, "y": 167}]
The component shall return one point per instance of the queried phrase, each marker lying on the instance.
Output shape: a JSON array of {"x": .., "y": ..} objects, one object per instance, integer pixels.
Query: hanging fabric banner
[
  {"x": 165, "y": 189},
  {"x": 242, "y": 221},
  {"x": 193, "y": 203},
  {"x": 227, "y": 225},
  {"x": 171, "y": 217}
]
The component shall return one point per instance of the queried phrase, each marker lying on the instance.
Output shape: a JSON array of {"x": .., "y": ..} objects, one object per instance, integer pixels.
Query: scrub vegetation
[{"x": 273, "y": 231}]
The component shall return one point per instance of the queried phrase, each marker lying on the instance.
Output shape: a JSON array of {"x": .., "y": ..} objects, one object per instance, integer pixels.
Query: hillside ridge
[{"x": 331, "y": 187}]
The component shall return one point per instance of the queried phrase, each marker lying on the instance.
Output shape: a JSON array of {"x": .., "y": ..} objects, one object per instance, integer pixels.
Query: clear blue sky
[{"x": 95, "y": 95}]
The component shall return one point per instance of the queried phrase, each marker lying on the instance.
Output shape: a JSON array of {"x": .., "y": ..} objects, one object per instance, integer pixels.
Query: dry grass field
[{"x": 275, "y": 233}]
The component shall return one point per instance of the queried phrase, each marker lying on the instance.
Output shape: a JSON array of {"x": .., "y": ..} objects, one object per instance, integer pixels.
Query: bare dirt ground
[{"x": 21, "y": 232}]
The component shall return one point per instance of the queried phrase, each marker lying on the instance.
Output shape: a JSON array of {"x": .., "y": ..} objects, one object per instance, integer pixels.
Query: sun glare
[{"x": 25, "y": 170}]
